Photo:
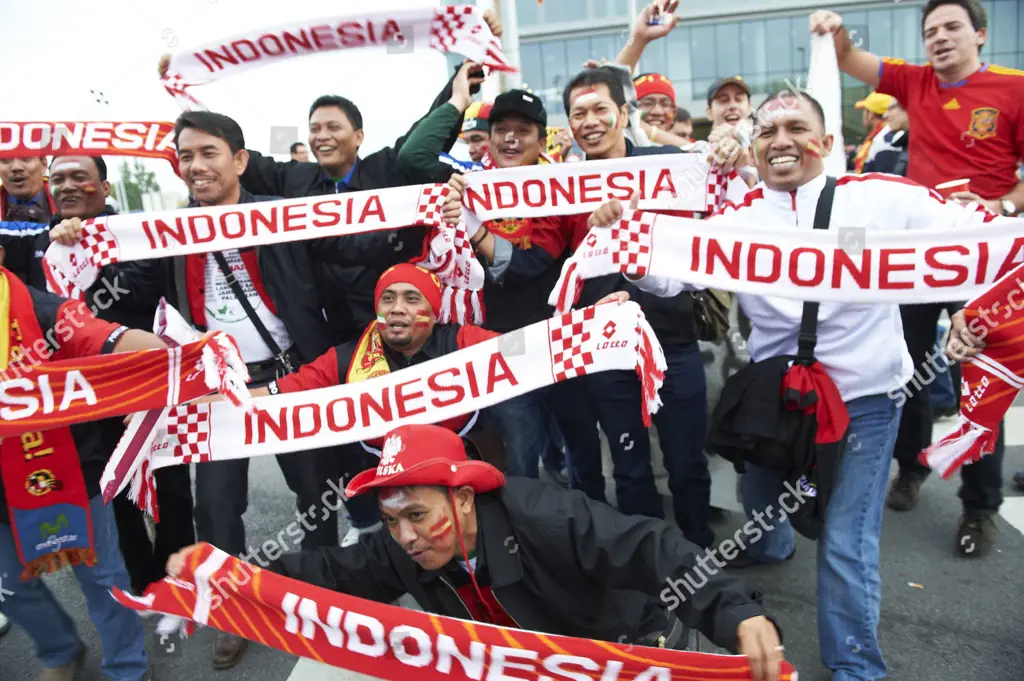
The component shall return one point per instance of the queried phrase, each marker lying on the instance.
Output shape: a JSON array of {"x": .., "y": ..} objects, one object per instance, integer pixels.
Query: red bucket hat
[{"x": 426, "y": 455}]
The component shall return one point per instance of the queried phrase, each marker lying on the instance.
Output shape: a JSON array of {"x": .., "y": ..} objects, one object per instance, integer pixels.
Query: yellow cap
[{"x": 876, "y": 103}]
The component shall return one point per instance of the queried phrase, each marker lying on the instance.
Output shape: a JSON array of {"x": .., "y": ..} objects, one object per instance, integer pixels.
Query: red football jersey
[{"x": 972, "y": 129}]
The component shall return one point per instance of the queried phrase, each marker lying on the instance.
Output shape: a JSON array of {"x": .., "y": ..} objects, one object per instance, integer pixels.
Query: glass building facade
[{"x": 762, "y": 40}]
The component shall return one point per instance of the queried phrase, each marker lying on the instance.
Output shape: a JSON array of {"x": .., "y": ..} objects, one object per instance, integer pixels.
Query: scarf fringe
[
  {"x": 966, "y": 442},
  {"x": 55, "y": 562},
  {"x": 651, "y": 367}
]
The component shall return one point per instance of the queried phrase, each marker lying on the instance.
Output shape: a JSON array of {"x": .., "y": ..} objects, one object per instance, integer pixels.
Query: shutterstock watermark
[
  {"x": 937, "y": 360},
  {"x": 63, "y": 330},
  {"x": 753, "y": 531},
  {"x": 287, "y": 538}
]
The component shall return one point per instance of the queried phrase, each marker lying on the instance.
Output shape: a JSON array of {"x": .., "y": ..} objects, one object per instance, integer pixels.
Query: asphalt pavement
[{"x": 943, "y": 616}]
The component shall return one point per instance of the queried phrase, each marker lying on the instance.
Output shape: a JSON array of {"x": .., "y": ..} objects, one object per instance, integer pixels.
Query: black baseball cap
[
  {"x": 722, "y": 82},
  {"x": 526, "y": 104}
]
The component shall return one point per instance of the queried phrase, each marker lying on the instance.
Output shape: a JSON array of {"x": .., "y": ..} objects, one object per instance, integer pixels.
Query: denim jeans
[
  {"x": 849, "y": 585},
  {"x": 522, "y": 423},
  {"x": 33, "y": 607},
  {"x": 682, "y": 428}
]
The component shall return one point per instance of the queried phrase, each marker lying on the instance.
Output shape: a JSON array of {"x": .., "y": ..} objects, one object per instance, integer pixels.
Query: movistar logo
[{"x": 50, "y": 529}]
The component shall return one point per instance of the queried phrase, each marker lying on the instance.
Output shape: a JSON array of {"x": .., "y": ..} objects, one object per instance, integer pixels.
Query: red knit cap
[
  {"x": 406, "y": 273},
  {"x": 654, "y": 84}
]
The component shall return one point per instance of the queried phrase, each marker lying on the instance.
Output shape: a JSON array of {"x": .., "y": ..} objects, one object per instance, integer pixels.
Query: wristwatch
[{"x": 1009, "y": 207}]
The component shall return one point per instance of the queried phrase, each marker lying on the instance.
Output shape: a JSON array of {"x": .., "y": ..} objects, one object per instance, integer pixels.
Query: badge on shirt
[{"x": 984, "y": 122}]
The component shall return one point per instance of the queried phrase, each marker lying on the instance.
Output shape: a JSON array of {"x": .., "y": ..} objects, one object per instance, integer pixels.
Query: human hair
[
  {"x": 350, "y": 110},
  {"x": 295, "y": 147},
  {"x": 781, "y": 92},
  {"x": 682, "y": 115},
  {"x": 601, "y": 75},
  {"x": 101, "y": 165},
  {"x": 214, "y": 124},
  {"x": 974, "y": 9}
]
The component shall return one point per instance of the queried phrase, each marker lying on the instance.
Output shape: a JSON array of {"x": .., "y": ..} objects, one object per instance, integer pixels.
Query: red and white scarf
[
  {"x": 598, "y": 338},
  {"x": 388, "y": 642},
  {"x": 147, "y": 139},
  {"x": 990, "y": 380},
  {"x": 459, "y": 28},
  {"x": 798, "y": 264}
]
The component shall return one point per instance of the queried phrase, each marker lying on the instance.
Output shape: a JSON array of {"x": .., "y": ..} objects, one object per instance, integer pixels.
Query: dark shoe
[
  {"x": 744, "y": 560},
  {"x": 227, "y": 650},
  {"x": 904, "y": 493},
  {"x": 67, "y": 672},
  {"x": 975, "y": 536},
  {"x": 1018, "y": 480}
]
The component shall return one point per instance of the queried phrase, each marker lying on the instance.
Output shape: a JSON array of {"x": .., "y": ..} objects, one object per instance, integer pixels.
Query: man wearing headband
[{"x": 523, "y": 554}]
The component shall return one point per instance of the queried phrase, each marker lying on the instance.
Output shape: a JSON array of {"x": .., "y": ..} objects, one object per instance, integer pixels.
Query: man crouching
[{"x": 520, "y": 553}]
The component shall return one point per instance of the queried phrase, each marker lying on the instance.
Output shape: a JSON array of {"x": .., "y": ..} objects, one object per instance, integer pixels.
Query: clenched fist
[{"x": 67, "y": 232}]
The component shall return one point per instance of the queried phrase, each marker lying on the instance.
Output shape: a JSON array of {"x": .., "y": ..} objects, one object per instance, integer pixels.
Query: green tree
[{"x": 136, "y": 180}]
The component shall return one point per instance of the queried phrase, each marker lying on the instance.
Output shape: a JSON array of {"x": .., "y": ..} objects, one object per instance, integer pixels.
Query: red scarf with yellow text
[{"x": 42, "y": 477}]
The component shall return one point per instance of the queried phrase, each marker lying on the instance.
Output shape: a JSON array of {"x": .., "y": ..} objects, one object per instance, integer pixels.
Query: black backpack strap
[
  {"x": 279, "y": 355},
  {"x": 809, "y": 323}
]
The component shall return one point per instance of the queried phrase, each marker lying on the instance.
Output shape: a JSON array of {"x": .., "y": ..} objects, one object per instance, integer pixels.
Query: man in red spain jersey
[{"x": 968, "y": 121}]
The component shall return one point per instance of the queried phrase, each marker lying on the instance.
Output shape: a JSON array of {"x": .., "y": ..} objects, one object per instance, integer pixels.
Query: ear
[
  {"x": 106, "y": 189},
  {"x": 359, "y": 137},
  {"x": 241, "y": 161},
  {"x": 982, "y": 37},
  {"x": 623, "y": 117},
  {"x": 464, "y": 497},
  {"x": 826, "y": 145}
]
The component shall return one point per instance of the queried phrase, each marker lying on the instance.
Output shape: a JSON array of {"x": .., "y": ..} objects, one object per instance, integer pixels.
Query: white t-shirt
[{"x": 225, "y": 313}]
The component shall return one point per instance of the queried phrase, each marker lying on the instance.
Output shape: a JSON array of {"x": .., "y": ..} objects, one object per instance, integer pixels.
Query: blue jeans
[
  {"x": 849, "y": 586},
  {"x": 682, "y": 429},
  {"x": 34, "y": 608},
  {"x": 522, "y": 423}
]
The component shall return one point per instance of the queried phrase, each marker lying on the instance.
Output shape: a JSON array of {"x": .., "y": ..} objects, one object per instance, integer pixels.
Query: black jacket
[
  {"x": 577, "y": 568},
  {"x": 350, "y": 312},
  {"x": 671, "y": 318},
  {"x": 289, "y": 275}
]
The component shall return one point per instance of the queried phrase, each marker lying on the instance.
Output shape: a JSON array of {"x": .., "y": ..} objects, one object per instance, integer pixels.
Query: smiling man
[
  {"x": 968, "y": 123},
  {"x": 862, "y": 350},
  {"x": 595, "y": 104},
  {"x": 578, "y": 567},
  {"x": 285, "y": 328}
]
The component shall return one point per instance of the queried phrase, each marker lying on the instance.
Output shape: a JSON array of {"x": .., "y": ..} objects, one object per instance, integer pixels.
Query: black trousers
[
  {"x": 982, "y": 481},
  {"x": 145, "y": 560},
  {"x": 222, "y": 498}
]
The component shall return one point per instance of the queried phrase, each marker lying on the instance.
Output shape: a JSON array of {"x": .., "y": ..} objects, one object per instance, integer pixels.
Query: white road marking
[{"x": 1012, "y": 511}]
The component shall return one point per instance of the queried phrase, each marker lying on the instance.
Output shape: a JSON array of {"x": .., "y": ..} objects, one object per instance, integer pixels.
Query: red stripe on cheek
[{"x": 441, "y": 529}]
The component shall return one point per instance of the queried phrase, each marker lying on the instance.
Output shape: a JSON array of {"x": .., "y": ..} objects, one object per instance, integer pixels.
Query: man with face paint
[
  {"x": 595, "y": 104},
  {"x": 522, "y": 259},
  {"x": 286, "y": 328},
  {"x": 467, "y": 543},
  {"x": 80, "y": 191},
  {"x": 862, "y": 349},
  {"x": 968, "y": 123}
]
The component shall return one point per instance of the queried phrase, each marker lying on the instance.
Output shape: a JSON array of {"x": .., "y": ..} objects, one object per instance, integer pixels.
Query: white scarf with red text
[
  {"x": 664, "y": 182},
  {"x": 898, "y": 267},
  {"x": 603, "y": 337},
  {"x": 458, "y": 28}
]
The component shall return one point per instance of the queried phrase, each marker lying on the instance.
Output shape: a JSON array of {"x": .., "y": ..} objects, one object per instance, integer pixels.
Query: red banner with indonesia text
[
  {"x": 397, "y": 644},
  {"x": 146, "y": 139}
]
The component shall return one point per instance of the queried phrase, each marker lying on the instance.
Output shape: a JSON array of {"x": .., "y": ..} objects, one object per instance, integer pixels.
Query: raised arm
[
  {"x": 655, "y": 21},
  {"x": 861, "y": 64},
  {"x": 418, "y": 156}
]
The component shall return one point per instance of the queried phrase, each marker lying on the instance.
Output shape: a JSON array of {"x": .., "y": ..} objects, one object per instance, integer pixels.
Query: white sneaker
[
  {"x": 5, "y": 624},
  {"x": 354, "y": 533}
]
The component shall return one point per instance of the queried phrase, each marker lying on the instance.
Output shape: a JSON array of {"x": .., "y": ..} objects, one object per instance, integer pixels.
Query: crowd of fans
[{"x": 293, "y": 344}]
